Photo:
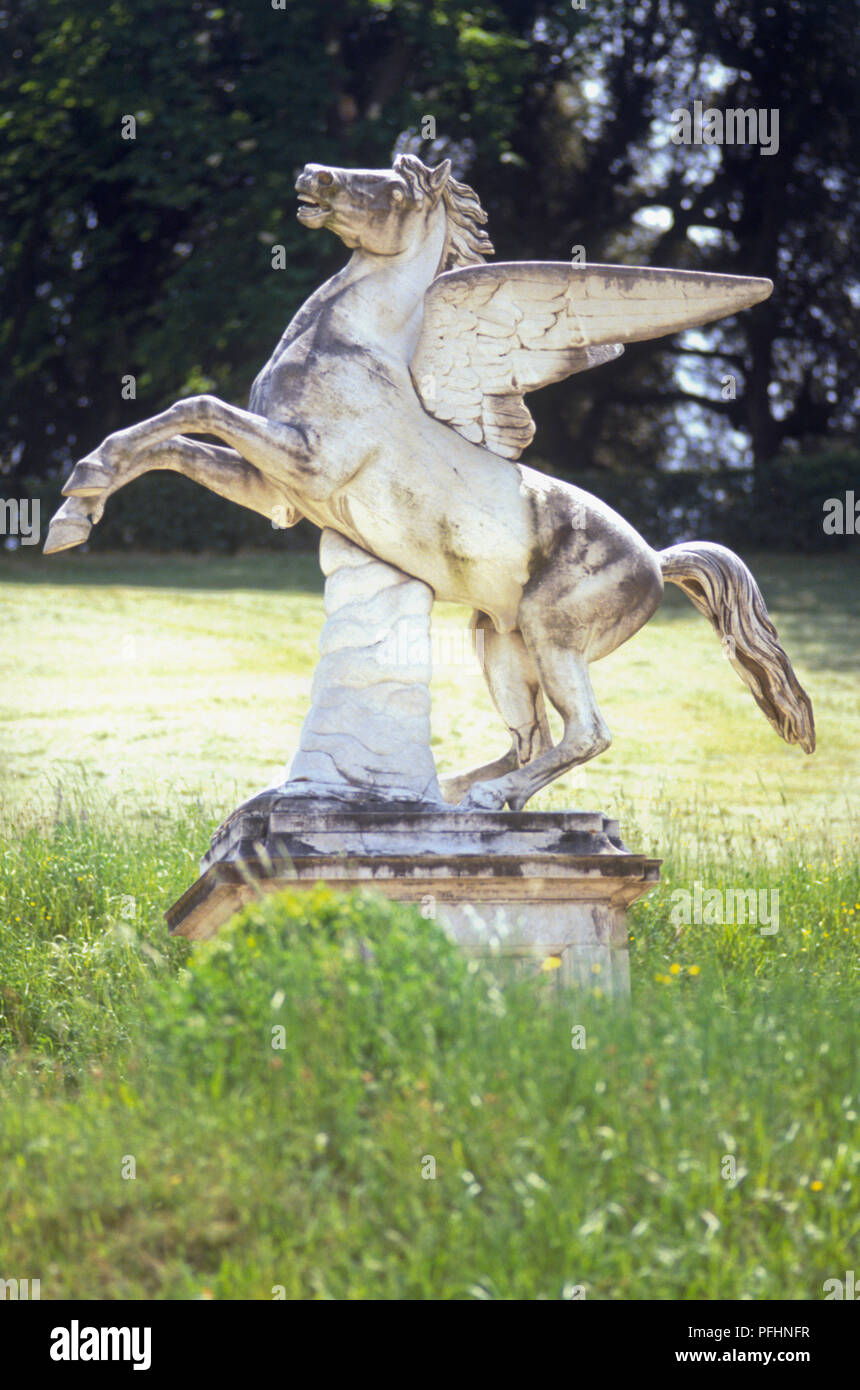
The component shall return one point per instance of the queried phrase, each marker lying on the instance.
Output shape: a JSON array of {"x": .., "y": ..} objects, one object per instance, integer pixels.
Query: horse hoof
[
  {"x": 454, "y": 789},
  {"x": 483, "y": 797},
  {"x": 68, "y": 528},
  {"x": 87, "y": 479}
]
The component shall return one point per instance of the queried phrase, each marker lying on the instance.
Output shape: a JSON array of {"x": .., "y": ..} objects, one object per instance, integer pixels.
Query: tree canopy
[{"x": 151, "y": 257}]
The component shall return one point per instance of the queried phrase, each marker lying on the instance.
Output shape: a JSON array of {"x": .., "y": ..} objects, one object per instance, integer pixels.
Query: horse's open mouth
[{"x": 312, "y": 213}]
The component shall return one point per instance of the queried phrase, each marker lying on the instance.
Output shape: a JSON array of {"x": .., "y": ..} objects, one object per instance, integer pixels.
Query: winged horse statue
[{"x": 392, "y": 411}]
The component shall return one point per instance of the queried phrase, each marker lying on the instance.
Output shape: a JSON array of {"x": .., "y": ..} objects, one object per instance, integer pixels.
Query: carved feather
[{"x": 516, "y": 326}]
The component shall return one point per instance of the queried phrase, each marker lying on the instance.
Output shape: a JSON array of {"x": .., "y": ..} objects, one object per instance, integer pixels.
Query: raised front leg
[
  {"x": 278, "y": 450},
  {"x": 220, "y": 469}
]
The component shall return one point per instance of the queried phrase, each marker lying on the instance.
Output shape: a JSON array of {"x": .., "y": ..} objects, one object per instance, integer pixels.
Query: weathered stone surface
[
  {"x": 308, "y": 826},
  {"x": 368, "y": 729},
  {"x": 526, "y": 886}
]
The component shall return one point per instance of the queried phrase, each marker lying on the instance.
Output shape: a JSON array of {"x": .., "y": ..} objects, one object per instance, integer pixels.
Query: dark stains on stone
[{"x": 457, "y": 561}]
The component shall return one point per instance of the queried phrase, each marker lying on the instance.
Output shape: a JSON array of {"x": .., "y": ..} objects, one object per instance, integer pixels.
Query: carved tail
[{"x": 719, "y": 584}]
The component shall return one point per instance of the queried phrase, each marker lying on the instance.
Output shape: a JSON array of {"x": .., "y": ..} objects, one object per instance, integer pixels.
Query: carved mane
[{"x": 466, "y": 243}]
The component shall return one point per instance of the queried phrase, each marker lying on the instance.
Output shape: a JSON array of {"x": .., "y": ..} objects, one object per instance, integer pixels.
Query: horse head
[{"x": 393, "y": 212}]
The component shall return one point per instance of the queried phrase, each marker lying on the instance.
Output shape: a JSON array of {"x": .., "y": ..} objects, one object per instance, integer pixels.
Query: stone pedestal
[
  {"x": 367, "y": 732},
  {"x": 361, "y": 807},
  {"x": 529, "y": 886}
]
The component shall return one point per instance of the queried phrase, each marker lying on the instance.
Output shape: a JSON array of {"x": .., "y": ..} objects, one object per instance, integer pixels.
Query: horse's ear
[{"x": 440, "y": 175}]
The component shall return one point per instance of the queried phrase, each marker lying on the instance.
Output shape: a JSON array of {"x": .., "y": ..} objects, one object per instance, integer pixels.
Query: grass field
[{"x": 141, "y": 699}]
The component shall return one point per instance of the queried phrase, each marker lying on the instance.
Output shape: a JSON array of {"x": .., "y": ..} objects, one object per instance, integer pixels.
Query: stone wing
[{"x": 491, "y": 333}]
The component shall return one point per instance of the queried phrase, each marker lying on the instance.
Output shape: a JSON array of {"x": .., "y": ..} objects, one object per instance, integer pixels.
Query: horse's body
[
  {"x": 472, "y": 525},
  {"x": 336, "y": 431}
]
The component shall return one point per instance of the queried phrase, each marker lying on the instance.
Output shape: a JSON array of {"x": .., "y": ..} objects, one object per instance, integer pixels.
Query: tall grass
[
  {"x": 703, "y": 1143},
  {"x": 305, "y": 1166}
]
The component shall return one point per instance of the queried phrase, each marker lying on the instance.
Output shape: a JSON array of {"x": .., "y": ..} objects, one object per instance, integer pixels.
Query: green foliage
[
  {"x": 305, "y": 1165},
  {"x": 152, "y": 256},
  {"x": 717, "y": 503},
  {"x": 357, "y": 984},
  {"x": 82, "y": 928},
  {"x": 794, "y": 501}
]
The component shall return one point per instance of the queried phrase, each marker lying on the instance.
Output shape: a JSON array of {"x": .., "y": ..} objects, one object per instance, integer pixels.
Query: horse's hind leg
[
  {"x": 548, "y": 614},
  {"x": 515, "y": 691},
  {"x": 565, "y": 679},
  {"x": 569, "y": 615}
]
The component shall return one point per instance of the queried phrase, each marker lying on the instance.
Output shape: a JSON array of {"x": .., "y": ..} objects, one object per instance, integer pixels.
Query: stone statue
[{"x": 392, "y": 413}]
